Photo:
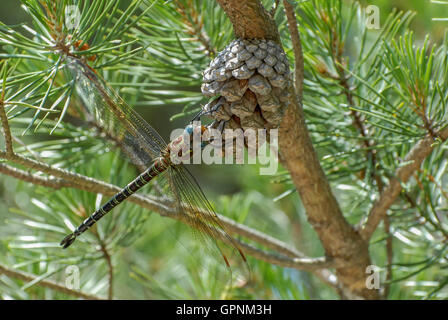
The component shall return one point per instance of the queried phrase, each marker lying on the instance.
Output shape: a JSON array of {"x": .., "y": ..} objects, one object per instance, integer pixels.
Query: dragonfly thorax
[{"x": 182, "y": 148}]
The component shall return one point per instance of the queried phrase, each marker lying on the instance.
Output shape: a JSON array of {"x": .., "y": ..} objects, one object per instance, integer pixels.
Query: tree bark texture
[{"x": 339, "y": 239}]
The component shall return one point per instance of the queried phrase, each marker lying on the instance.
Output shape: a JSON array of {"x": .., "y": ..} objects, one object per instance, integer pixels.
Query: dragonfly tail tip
[{"x": 67, "y": 241}]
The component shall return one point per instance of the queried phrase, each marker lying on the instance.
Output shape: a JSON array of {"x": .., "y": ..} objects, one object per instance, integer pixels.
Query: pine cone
[{"x": 248, "y": 81}]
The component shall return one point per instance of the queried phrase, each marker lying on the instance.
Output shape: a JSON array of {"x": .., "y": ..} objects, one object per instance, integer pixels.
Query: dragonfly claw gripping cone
[{"x": 249, "y": 81}]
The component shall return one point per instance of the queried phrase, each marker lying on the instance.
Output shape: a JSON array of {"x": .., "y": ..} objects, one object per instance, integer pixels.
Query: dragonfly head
[
  {"x": 199, "y": 129},
  {"x": 189, "y": 129},
  {"x": 192, "y": 128}
]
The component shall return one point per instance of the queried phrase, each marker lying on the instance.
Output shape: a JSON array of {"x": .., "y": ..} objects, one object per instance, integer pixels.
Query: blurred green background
[{"x": 159, "y": 264}]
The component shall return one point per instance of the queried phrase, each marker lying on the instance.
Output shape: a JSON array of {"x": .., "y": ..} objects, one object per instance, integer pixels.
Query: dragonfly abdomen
[{"x": 159, "y": 166}]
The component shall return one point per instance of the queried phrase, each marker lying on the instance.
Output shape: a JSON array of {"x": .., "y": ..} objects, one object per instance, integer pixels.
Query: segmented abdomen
[{"x": 156, "y": 168}]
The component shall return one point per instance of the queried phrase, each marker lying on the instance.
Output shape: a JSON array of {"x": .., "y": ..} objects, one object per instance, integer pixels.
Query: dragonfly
[{"x": 114, "y": 116}]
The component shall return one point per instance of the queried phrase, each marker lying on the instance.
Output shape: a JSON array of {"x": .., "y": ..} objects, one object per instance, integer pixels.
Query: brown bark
[
  {"x": 250, "y": 19},
  {"x": 297, "y": 47},
  {"x": 339, "y": 239}
]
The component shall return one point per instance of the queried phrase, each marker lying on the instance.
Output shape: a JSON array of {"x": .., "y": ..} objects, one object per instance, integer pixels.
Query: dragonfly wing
[
  {"x": 199, "y": 213},
  {"x": 106, "y": 110}
]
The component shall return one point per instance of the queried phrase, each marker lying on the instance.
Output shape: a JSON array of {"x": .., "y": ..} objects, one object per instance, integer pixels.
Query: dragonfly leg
[
  {"x": 198, "y": 116},
  {"x": 221, "y": 126},
  {"x": 207, "y": 110},
  {"x": 218, "y": 125}
]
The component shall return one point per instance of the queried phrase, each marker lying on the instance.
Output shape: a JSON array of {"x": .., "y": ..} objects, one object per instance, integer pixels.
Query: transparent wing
[
  {"x": 104, "y": 109},
  {"x": 199, "y": 213},
  {"x": 112, "y": 116}
]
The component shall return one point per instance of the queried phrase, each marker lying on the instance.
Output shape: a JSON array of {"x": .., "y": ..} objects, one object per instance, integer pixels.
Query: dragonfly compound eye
[{"x": 189, "y": 129}]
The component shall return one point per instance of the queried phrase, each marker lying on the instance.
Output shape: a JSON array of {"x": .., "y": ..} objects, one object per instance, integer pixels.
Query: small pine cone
[
  {"x": 243, "y": 72},
  {"x": 249, "y": 81},
  {"x": 274, "y": 118},
  {"x": 211, "y": 89},
  {"x": 233, "y": 89},
  {"x": 259, "y": 85},
  {"x": 244, "y": 107},
  {"x": 268, "y": 102},
  {"x": 232, "y": 124},
  {"x": 218, "y": 109},
  {"x": 279, "y": 81},
  {"x": 254, "y": 121}
]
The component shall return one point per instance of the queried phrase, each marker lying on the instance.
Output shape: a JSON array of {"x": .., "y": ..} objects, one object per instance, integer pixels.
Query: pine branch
[
  {"x": 33, "y": 179},
  {"x": 5, "y": 126},
  {"x": 359, "y": 124},
  {"x": 412, "y": 162},
  {"x": 305, "y": 264},
  {"x": 340, "y": 240},
  {"x": 108, "y": 258},
  {"x": 292, "y": 258},
  {"x": 250, "y": 19},
  {"x": 371, "y": 156},
  {"x": 11, "y": 273},
  {"x": 263, "y": 239},
  {"x": 389, "y": 257},
  {"x": 195, "y": 26}
]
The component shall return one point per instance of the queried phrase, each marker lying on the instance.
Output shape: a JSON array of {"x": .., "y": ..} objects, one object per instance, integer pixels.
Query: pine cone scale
[{"x": 249, "y": 81}]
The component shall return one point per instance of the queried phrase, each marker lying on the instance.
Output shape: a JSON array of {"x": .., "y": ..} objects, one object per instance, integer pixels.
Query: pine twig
[
  {"x": 371, "y": 156},
  {"x": 6, "y": 130},
  {"x": 33, "y": 179},
  {"x": 413, "y": 161},
  {"x": 263, "y": 239},
  {"x": 108, "y": 258},
  {"x": 301, "y": 263},
  {"x": 274, "y": 8},
  {"x": 389, "y": 257},
  {"x": 195, "y": 27},
  {"x": 304, "y": 264},
  {"x": 297, "y": 47}
]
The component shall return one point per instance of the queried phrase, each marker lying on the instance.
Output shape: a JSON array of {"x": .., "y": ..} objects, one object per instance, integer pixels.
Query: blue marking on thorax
[{"x": 189, "y": 130}]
